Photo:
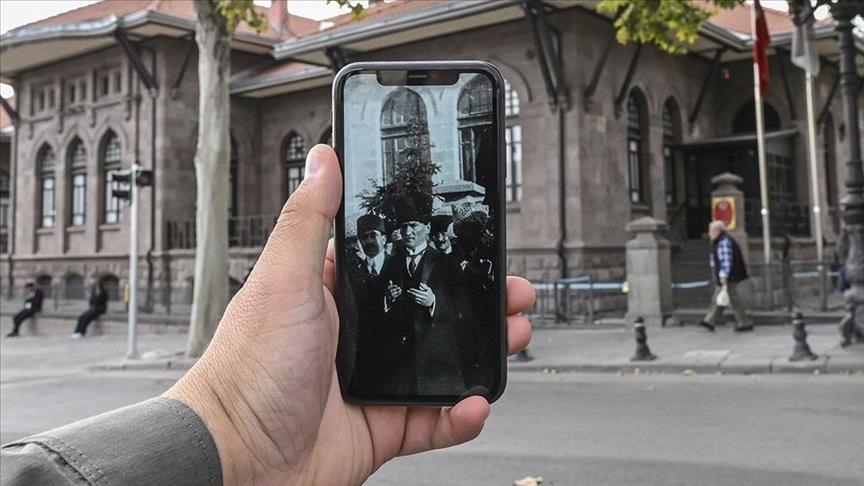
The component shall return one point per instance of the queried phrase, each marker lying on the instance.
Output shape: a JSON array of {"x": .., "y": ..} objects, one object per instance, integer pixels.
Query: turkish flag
[{"x": 761, "y": 42}]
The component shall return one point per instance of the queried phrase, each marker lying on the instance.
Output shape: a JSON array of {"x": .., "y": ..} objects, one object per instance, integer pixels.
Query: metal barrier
[
  {"x": 243, "y": 232},
  {"x": 576, "y": 300}
]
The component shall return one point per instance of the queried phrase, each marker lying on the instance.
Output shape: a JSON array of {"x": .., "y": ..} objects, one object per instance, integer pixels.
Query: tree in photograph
[{"x": 217, "y": 20}]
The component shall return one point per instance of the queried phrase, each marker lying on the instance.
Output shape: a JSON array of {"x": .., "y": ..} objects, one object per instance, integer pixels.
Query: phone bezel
[{"x": 479, "y": 67}]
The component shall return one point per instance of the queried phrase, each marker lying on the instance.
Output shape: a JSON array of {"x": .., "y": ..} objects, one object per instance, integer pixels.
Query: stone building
[{"x": 598, "y": 134}]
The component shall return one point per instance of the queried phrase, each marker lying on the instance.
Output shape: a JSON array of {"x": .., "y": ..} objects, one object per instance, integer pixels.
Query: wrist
[{"x": 234, "y": 456}]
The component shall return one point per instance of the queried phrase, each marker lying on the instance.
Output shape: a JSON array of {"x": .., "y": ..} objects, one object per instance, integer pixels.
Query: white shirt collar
[
  {"x": 420, "y": 249},
  {"x": 377, "y": 261}
]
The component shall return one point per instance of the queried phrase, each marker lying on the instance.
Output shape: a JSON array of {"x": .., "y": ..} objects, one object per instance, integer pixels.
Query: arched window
[
  {"x": 232, "y": 180},
  {"x": 294, "y": 149},
  {"x": 111, "y": 162},
  {"x": 475, "y": 117},
  {"x": 671, "y": 136},
  {"x": 43, "y": 283},
  {"x": 45, "y": 168},
  {"x": 76, "y": 156},
  {"x": 111, "y": 285},
  {"x": 74, "y": 286},
  {"x": 745, "y": 118},
  {"x": 832, "y": 189},
  {"x": 327, "y": 136},
  {"x": 513, "y": 140},
  {"x": 404, "y": 129},
  {"x": 637, "y": 138},
  {"x": 4, "y": 212}
]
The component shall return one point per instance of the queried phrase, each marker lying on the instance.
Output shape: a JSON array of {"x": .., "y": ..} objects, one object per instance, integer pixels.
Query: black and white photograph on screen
[{"x": 421, "y": 198}]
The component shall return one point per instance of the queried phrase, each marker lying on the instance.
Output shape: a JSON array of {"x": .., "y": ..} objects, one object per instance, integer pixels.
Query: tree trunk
[{"x": 211, "y": 170}]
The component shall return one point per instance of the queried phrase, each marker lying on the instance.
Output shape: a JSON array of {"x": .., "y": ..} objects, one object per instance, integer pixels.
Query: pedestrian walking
[
  {"x": 32, "y": 305},
  {"x": 729, "y": 268},
  {"x": 98, "y": 306}
]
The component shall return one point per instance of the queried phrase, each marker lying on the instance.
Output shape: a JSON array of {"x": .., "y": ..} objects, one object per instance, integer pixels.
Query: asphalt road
[{"x": 571, "y": 429}]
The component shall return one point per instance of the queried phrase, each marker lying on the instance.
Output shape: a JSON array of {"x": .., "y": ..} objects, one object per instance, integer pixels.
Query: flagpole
[
  {"x": 814, "y": 193},
  {"x": 763, "y": 171}
]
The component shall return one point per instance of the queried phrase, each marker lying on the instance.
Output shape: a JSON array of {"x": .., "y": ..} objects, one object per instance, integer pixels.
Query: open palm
[{"x": 267, "y": 386}]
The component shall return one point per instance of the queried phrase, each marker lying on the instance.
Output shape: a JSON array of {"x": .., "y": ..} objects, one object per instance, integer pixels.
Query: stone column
[
  {"x": 649, "y": 272},
  {"x": 728, "y": 186}
]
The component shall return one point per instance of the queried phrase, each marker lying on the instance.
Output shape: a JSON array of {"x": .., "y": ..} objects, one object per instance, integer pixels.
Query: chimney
[{"x": 277, "y": 16}]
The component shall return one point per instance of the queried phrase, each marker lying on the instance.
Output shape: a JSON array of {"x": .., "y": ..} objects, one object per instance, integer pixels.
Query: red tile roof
[
  {"x": 382, "y": 10},
  {"x": 738, "y": 20},
  {"x": 183, "y": 9}
]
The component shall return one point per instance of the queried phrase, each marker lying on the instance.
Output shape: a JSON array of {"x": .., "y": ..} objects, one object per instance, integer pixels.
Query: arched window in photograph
[
  {"x": 671, "y": 136},
  {"x": 232, "y": 180},
  {"x": 294, "y": 149},
  {"x": 327, "y": 136},
  {"x": 404, "y": 130},
  {"x": 45, "y": 168},
  {"x": 513, "y": 142},
  {"x": 77, "y": 163},
  {"x": 636, "y": 139},
  {"x": 112, "y": 161},
  {"x": 475, "y": 118}
]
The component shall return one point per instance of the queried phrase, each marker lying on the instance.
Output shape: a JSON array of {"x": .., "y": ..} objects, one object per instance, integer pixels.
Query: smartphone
[{"x": 420, "y": 249}]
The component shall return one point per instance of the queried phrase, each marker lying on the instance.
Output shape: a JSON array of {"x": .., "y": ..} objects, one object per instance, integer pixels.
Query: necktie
[
  {"x": 371, "y": 264},
  {"x": 412, "y": 264}
]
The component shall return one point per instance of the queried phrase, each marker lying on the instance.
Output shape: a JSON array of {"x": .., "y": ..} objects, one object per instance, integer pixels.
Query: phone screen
[{"x": 420, "y": 236}]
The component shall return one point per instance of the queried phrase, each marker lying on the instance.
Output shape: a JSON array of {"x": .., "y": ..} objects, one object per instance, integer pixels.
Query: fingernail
[{"x": 313, "y": 162}]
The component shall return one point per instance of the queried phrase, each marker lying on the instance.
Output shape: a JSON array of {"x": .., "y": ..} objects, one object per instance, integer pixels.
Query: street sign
[
  {"x": 120, "y": 184},
  {"x": 723, "y": 209}
]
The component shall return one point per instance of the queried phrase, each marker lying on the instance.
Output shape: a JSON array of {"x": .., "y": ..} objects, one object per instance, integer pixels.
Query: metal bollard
[
  {"x": 642, "y": 351},
  {"x": 802, "y": 349}
]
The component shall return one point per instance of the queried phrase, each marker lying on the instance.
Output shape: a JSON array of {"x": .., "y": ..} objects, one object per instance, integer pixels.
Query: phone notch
[{"x": 417, "y": 77}]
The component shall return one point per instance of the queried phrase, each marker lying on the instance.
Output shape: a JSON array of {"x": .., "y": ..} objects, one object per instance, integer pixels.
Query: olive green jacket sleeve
[{"x": 160, "y": 442}]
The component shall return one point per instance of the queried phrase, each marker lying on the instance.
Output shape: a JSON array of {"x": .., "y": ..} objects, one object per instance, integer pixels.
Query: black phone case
[{"x": 500, "y": 224}]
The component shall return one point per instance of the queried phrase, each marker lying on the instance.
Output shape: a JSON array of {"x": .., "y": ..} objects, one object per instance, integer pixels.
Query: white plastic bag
[{"x": 722, "y": 299}]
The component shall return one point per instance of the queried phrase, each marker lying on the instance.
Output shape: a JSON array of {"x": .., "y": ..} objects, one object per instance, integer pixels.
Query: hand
[
  {"x": 393, "y": 291},
  {"x": 423, "y": 296},
  {"x": 266, "y": 387}
]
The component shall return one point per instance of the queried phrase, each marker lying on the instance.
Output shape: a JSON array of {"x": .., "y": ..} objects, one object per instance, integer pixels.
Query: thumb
[{"x": 295, "y": 251}]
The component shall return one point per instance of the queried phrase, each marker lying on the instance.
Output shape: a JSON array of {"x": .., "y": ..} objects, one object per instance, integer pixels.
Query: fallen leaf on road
[
  {"x": 637, "y": 371},
  {"x": 528, "y": 481},
  {"x": 688, "y": 372}
]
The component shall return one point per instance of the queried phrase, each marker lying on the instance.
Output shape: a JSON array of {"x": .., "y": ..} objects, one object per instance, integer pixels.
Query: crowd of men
[{"x": 422, "y": 304}]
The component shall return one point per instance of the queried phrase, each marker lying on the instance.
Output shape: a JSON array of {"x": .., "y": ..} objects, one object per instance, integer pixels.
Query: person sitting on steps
[
  {"x": 98, "y": 306},
  {"x": 32, "y": 305}
]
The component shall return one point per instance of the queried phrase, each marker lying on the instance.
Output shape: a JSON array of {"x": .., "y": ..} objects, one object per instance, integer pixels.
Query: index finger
[{"x": 520, "y": 295}]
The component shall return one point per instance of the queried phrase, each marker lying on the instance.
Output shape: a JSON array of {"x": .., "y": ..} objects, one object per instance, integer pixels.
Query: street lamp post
[{"x": 853, "y": 202}]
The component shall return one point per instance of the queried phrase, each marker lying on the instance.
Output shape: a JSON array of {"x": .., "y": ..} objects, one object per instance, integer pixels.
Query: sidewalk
[
  {"x": 679, "y": 349},
  {"x": 690, "y": 350}
]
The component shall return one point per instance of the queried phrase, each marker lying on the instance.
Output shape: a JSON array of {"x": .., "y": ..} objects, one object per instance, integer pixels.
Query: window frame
[
  {"x": 637, "y": 118},
  {"x": 77, "y": 164},
  {"x": 512, "y": 147},
  {"x": 396, "y": 135},
  {"x": 112, "y": 208},
  {"x": 293, "y": 161},
  {"x": 46, "y": 168}
]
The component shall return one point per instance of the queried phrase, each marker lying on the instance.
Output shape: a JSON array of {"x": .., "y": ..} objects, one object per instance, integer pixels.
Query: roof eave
[{"x": 365, "y": 30}]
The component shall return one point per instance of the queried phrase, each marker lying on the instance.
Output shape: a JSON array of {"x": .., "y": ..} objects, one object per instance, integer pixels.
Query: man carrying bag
[{"x": 729, "y": 268}]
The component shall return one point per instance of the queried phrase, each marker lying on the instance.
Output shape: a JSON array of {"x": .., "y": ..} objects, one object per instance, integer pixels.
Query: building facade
[{"x": 598, "y": 134}]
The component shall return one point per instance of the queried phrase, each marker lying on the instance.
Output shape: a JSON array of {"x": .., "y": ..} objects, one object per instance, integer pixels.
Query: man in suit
[
  {"x": 368, "y": 293},
  {"x": 32, "y": 305},
  {"x": 422, "y": 311},
  {"x": 441, "y": 231}
]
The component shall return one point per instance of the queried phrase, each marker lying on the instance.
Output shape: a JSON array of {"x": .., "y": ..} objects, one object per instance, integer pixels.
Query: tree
[
  {"x": 217, "y": 20},
  {"x": 669, "y": 24}
]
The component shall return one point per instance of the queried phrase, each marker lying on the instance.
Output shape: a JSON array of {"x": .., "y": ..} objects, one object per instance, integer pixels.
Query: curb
[
  {"x": 146, "y": 365},
  {"x": 843, "y": 365}
]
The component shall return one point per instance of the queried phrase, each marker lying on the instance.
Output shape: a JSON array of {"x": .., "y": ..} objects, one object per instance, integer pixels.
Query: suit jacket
[
  {"x": 367, "y": 314},
  {"x": 99, "y": 303},
  {"x": 35, "y": 301},
  {"x": 421, "y": 346}
]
